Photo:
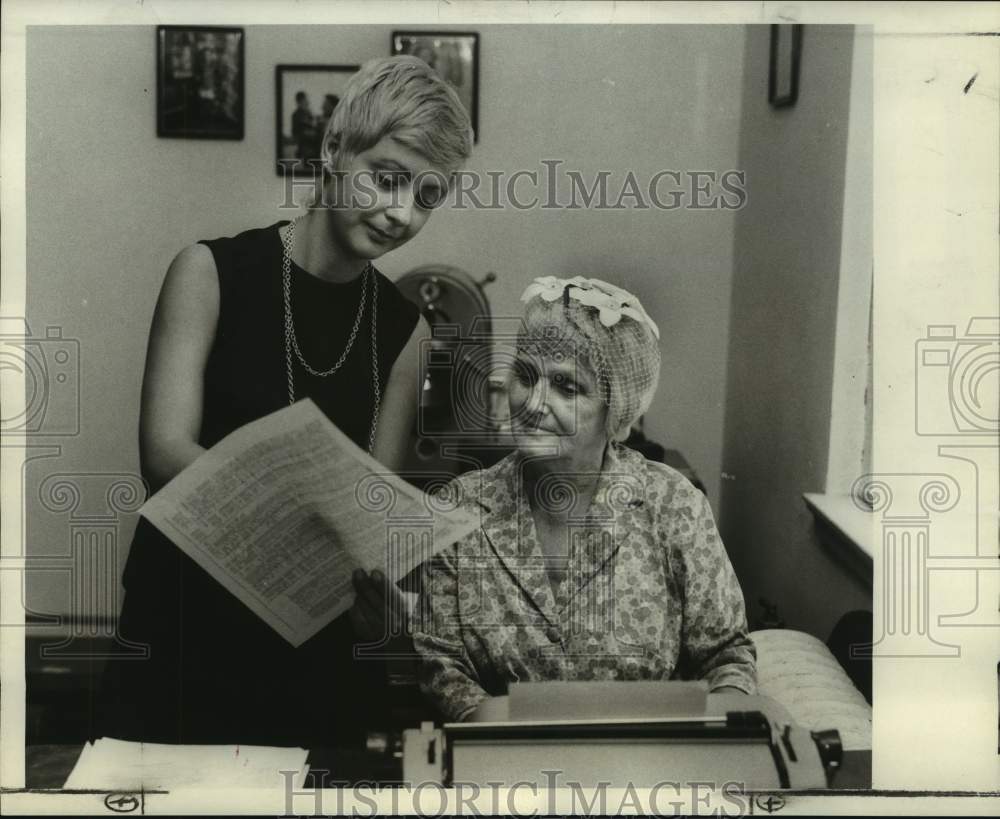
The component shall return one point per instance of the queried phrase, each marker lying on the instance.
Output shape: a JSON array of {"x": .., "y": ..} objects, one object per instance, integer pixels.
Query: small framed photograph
[
  {"x": 199, "y": 82},
  {"x": 786, "y": 58},
  {"x": 454, "y": 55},
  {"x": 306, "y": 96}
]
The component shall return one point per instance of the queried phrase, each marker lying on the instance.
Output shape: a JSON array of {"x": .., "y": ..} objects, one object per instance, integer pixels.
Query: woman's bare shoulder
[
  {"x": 188, "y": 306},
  {"x": 194, "y": 265},
  {"x": 192, "y": 281}
]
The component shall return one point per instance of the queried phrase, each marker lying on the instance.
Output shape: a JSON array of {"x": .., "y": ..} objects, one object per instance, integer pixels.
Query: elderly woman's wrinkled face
[{"x": 556, "y": 401}]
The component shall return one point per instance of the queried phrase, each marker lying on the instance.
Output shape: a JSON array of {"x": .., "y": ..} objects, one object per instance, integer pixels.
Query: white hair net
[{"x": 607, "y": 329}]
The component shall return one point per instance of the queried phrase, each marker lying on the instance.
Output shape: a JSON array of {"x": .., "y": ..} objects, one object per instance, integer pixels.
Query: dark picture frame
[
  {"x": 785, "y": 62},
  {"x": 454, "y": 55},
  {"x": 298, "y": 141},
  {"x": 200, "y": 82}
]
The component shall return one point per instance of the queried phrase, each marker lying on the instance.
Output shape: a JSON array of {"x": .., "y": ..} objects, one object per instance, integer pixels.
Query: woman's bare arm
[
  {"x": 379, "y": 603},
  {"x": 400, "y": 399},
  {"x": 180, "y": 339}
]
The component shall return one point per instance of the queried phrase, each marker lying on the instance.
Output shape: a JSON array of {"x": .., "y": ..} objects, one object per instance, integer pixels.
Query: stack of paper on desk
[
  {"x": 284, "y": 509},
  {"x": 111, "y": 764}
]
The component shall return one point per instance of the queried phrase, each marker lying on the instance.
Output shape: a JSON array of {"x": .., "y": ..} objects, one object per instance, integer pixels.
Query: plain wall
[
  {"x": 851, "y": 403},
  {"x": 109, "y": 205},
  {"x": 782, "y": 334}
]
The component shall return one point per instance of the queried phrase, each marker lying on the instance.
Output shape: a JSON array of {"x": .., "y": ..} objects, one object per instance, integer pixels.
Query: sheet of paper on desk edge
[
  {"x": 606, "y": 700},
  {"x": 114, "y": 764},
  {"x": 284, "y": 509}
]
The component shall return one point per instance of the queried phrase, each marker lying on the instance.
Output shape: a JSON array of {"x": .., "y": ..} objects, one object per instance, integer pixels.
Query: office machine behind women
[
  {"x": 591, "y": 563},
  {"x": 245, "y": 326}
]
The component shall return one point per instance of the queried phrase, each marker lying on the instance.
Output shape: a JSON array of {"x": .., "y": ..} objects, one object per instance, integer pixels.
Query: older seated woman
[{"x": 591, "y": 563}]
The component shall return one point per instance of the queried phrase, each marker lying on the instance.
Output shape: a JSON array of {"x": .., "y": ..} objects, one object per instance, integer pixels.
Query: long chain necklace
[{"x": 292, "y": 342}]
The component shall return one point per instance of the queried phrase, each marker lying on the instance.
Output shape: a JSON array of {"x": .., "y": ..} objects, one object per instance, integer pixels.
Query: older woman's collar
[{"x": 620, "y": 486}]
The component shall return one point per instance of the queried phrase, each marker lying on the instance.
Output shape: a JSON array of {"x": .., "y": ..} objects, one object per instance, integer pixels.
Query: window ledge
[{"x": 848, "y": 532}]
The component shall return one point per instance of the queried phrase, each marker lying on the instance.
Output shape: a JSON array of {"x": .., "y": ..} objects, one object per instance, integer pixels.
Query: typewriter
[{"x": 653, "y": 733}]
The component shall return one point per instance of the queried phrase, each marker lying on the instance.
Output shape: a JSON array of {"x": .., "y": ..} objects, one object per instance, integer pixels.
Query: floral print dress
[{"x": 649, "y": 592}]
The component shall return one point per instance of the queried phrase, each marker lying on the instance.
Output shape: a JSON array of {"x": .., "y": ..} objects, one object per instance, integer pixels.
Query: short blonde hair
[{"x": 402, "y": 97}]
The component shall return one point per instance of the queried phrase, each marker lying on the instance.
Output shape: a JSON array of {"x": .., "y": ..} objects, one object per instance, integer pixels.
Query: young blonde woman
[{"x": 243, "y": 327}]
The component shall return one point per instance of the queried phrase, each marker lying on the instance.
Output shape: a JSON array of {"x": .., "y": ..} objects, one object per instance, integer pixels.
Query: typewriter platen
[{"x": 745, "y": 747}]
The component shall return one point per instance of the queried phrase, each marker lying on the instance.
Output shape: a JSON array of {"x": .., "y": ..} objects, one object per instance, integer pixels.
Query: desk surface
[{"x": 48, "y": 766}]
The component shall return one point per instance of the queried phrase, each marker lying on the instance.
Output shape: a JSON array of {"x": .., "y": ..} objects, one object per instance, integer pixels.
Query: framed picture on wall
[
  {"x": 454, "y": 55},
  {"x": 786, "y": 58},
  {"x": 199, "y": 82},
  {"x": 306, "y": 96}
]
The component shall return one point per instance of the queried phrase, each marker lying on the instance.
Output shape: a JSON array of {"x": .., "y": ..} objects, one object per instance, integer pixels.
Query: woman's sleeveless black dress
[{"x": 216, "y": 672}]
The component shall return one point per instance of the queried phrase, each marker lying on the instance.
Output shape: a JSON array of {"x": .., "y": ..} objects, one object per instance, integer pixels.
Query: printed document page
[{"x": 284, "y": 509}]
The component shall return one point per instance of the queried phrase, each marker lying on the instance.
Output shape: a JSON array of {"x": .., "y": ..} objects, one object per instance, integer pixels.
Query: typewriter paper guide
[
  {"x": 284, "y": 509},
  {"x": 606, "y": 700}
]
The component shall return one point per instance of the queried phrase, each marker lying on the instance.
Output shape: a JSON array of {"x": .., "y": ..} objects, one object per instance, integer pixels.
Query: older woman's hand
[{"x": 379, "y": 611}]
